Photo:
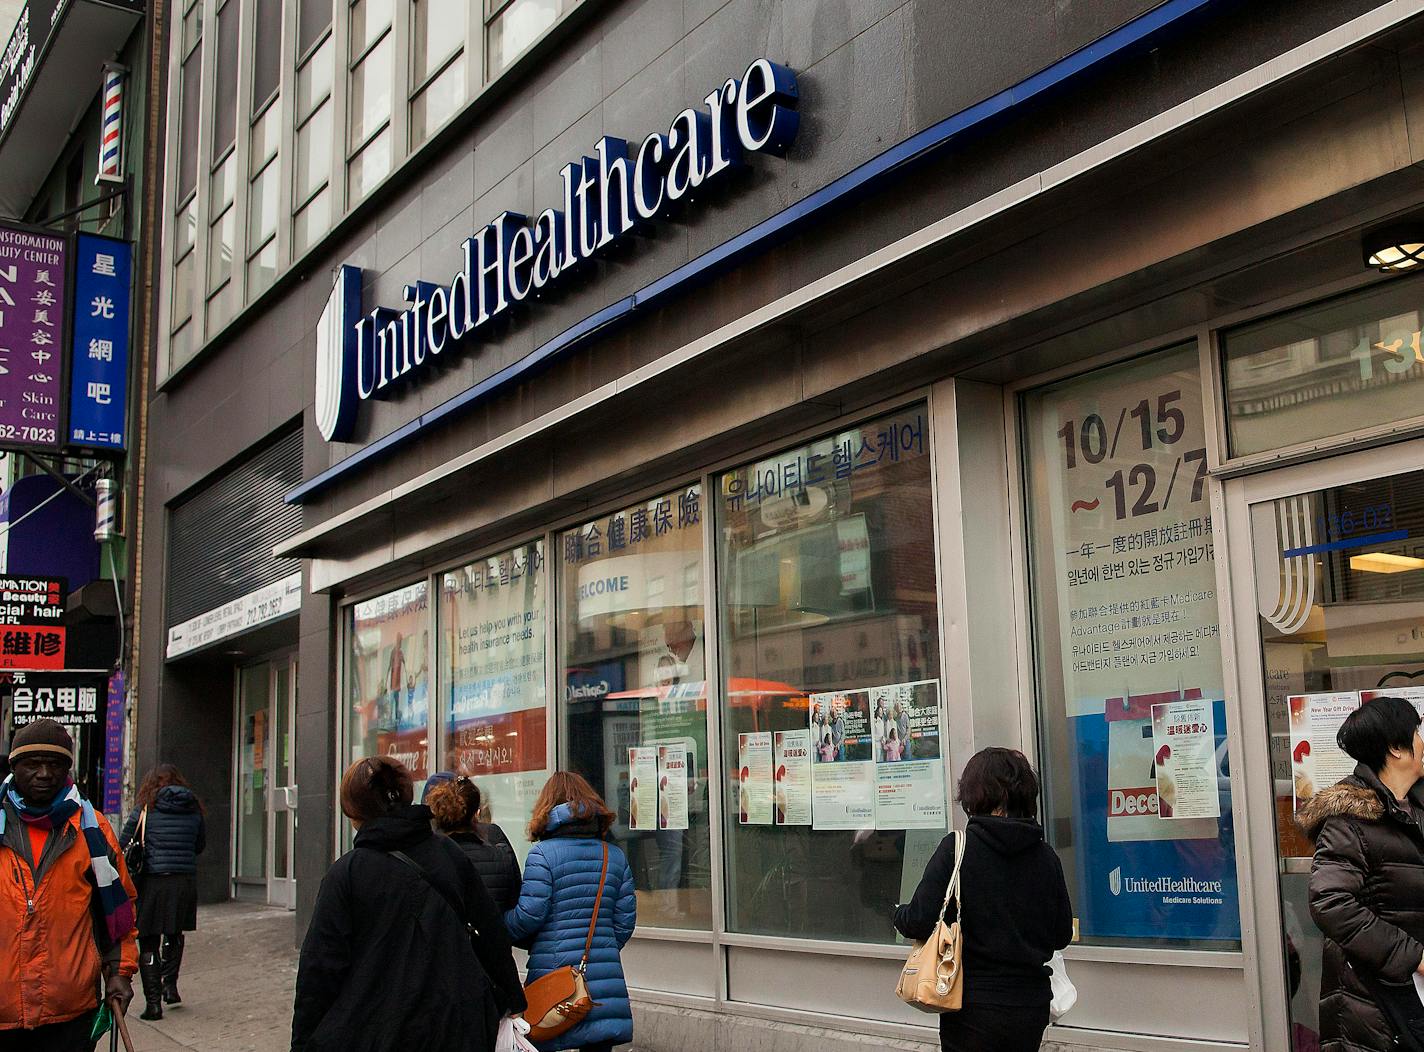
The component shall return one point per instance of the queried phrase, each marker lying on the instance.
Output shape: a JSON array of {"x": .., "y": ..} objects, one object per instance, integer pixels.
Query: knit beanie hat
[
  {"x": 43, "y": 735},
  {"x": 435, "y": 779}
]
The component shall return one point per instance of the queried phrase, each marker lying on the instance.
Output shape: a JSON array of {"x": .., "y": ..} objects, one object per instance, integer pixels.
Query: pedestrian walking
[
  {"x": 1013, "y": 903},
  {"x": 571, "y": 860},
  {"x": 455, "y": 804},
  {"x": 405, "y": 949},
  {"x": 66, "y": 901},
  {"x": 168, "y": 822},
  {"x": 1367, "y": 883}
]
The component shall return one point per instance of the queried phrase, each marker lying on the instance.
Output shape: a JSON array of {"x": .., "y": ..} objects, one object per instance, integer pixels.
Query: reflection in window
[
  {"x": 438, "y": 33},
  {"x": 312, "y": 221},
  {"x": 370, "y": 166},
  {"x": 831, "y": 643},
  {"x": 370, "y": 99},
  {"x": 492, "y": 660},
  {"x": 634, "y": 710},
  {"x": 438, "y": 102},
  {"x": 1358, "y": 356},
  {"x": 517, "y": 25},
  {"x": 1128, "y": 652},
  {"x": 388, "y": 679}
]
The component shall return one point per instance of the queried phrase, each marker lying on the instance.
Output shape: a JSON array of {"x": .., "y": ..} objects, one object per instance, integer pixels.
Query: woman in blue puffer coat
[{"x": 569, "y": 830}]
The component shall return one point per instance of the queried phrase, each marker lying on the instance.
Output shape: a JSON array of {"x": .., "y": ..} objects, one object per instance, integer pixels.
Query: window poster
[
  {"x": 909, "y": 768},
  {"x": 754, "y": 782},
  {"x": 642, "y": 788},
  {"x": 1184, "y": 757},
  {"x": 1126, "y": 578},
  {"x": 1316, "y": 760},
  {"x": 843, "y": 766},
  {"x": 1413, "y": 695},
  {"x": 791, "y": 756},
  {"x": 672, "y": 787}
]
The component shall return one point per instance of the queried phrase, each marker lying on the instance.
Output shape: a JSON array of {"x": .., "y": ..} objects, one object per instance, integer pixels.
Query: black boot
[
  {"x": 172, "y": 961},
  {"x": 150, "y": 971}
]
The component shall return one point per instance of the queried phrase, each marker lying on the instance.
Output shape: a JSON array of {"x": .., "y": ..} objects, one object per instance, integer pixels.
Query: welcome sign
[{"x": 363, "y": 355}]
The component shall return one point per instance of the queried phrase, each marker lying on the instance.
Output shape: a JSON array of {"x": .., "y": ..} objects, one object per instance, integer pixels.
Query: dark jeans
[
  {"x": 72, "y": 1036},
  {"x": 993, "y": 1028}
]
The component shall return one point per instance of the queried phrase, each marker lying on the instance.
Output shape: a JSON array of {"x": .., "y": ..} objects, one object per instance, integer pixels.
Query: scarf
[{"x": 110, "y": 897}]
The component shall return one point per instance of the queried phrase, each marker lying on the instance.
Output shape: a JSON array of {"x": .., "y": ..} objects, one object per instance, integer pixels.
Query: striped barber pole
[{"x": 111, "y": 138}]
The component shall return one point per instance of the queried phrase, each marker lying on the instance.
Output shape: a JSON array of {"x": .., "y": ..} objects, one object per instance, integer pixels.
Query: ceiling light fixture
[
  {"x": 1392, "y": 249},
  {"x": 1385, "y": 562}
]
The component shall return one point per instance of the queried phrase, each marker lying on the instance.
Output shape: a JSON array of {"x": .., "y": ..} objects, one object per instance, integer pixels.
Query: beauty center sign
[{"x": 370, "y": 354}]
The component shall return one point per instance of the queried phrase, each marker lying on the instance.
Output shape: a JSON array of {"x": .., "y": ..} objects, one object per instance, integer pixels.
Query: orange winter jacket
[{"x": 50, "y": 966}]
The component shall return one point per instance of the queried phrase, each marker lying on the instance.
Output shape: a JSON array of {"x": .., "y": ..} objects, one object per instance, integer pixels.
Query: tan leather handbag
[
  {"x": 933, "y": 976},
  {"x": 558, "y": 1001}
]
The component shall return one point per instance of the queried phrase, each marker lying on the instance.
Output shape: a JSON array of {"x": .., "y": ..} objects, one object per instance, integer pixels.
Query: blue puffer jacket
[
  {"x": 551, "y": 919},
  {"x": 174, "y": 835}
]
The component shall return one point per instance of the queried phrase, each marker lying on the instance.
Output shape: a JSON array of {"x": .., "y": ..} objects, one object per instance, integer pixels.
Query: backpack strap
[
  {"x": 444, "y": 893},
  {"x": 597, "y": 902}
]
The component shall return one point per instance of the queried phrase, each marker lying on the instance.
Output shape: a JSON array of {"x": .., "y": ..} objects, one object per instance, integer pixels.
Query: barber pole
[{"x": 111, "y": 137}]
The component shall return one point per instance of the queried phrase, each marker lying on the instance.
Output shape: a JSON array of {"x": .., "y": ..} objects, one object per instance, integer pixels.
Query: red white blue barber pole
[{"x": 111, "y": 136}]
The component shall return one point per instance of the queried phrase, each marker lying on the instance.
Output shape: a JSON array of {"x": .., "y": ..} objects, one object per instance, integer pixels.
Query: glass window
[
  {"x": 224, "y": 182},
  {"x": 491, "y": 640},
  {"x": 185, "y": 227},
  {"x": 369, "y": 19},
  {"x": 192, "y": 27},
  {"x": 313, "y": 167},
  {"x": 220, "y": 243},
  {"x": 831, "y": 713},
  {"x": 314, "y": 81},
  {"x": 1357, "y": 356},
  {"x": 224, "y": 98},
  {"x": 518, "y": 25},
  {"x": 183, "y": 289},
  {"x": 371, "y": 91},
  {"x": 266, "y": 50},
  {"x": 388, "y": 679},
  {"x": 370, "y": 166},
  {"x": 313, "y": 18},
  {"x": 439, "y": 32},
  {"x": 438, "y": 102},
  {"x": 266, "y": 134},
  {"x": 1128, "y": 654},
  {"x": 312, "y": 221},
  {"x": 222, "y": 304},
  {"x": 262, "y": 269},
  {"x": 634, "y": 710},
  {"x": 188, "y": 112},
  {"x": 262, "y": 206}
]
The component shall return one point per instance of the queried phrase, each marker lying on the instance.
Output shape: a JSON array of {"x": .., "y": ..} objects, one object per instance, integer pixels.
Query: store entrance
[
  {"x": 1339, "y": 619},
  {"x": 265, "y": 796}
]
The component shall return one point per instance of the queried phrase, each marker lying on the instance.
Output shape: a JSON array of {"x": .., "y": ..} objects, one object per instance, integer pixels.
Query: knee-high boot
[
  {"x": 150, "y": 970},
  {"x": 172, "y": 961}
]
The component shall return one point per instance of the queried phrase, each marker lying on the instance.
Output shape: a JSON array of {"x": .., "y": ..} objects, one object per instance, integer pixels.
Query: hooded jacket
[
  {"x": 174, "y": 834},
  {"x": 494, "y": 860},
  {"x": 387, "y": 966},
  {"x": 1367, "y": 897},
  {"x": 552, "y": 918},
  {"x": 50, "y": 964},
  {"x": 1015, "y": 906}
]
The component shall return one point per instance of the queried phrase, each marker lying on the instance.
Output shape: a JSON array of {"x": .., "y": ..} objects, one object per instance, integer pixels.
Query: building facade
[{"x": 761, "y": 407}]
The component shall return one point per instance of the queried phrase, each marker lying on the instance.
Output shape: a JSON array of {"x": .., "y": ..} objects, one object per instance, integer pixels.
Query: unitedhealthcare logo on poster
[
  {"x": 1173, "y": 890},
  {"x": 361, "y": 356}
]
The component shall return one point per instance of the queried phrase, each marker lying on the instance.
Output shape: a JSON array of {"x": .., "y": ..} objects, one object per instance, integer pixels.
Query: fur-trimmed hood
[{"x": 1345, "y": 799}]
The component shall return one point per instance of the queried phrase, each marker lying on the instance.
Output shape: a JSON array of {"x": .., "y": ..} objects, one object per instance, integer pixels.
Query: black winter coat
[
  {"x": 174, "y": 835},
  {"x": 1367, "y": 897},
  {"x": 1015, "y": 905},
  {"x": 386, "y": 966},
  {"x": 493, "y": 856}
]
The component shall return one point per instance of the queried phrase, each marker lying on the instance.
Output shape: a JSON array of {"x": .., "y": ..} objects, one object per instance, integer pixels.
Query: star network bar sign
[{"x": 369, "y": 355}]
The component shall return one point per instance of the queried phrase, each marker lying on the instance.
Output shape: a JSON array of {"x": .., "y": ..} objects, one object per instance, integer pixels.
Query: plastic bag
[
  {"x": 1065, "y": 994},
  {"x": 513, "y": 1031}
]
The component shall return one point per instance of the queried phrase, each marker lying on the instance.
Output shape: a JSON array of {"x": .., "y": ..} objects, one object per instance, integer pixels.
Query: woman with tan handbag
[
  {"x": 1011, "y": 904},
  {"x": 576, "y": 911}
]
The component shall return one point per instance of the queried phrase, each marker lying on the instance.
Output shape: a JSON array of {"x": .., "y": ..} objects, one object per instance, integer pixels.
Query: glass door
[
  {"x": 282, "y": 800},
  {"x": 1336, "y": 618},
  {"x": 253, "y": 738}
]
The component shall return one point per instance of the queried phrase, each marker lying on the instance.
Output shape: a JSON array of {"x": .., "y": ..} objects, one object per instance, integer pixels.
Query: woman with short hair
[
  {"x": 1013, "y": 903},
  {"x": 456, "y": 804},
  {"x": 561, "y": 884},
  {"x": 168, "y": 819},
  {"x": 1367, "y": 882},
  {"x": 405, "y": 950}
]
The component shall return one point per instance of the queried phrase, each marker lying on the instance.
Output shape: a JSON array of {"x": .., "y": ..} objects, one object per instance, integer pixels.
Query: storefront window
[
  {"x": 1132, "y": 723},
  {"x": 1329, "y": 369},
  {"x": 832, "y": 708},
  {"x": 634, "y": 706},
  {"x": 492, "y": 667},
  {"x": 388, "y": 679}
]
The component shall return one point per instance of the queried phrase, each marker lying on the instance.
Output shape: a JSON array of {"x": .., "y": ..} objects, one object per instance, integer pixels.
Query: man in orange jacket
[{"x": 66, "y": 901}]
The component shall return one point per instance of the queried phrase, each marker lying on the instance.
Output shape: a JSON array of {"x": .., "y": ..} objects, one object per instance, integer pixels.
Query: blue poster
[
  {"x": 99, "y": 374},
  {"x": 1134, "y": 889}
]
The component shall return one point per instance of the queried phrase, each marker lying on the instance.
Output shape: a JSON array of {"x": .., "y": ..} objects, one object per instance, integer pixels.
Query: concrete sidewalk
[{"x": 239, "y": 969}]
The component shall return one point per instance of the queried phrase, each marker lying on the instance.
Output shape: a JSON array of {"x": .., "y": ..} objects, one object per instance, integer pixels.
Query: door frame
[
  {"x": 1262, "y": 925},
  {"x": 273, "y": 891}
]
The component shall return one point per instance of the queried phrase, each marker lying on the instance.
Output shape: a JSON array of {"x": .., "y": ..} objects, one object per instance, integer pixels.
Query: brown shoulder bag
[{"x": 558, "y": 1001}]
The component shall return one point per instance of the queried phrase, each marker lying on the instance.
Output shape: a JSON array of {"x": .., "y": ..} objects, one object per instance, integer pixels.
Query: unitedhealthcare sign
[{"x": 370, "y": 354}]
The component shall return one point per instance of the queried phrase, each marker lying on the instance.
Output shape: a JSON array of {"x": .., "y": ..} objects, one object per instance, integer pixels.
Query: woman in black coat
[
  {"x": 455, "y": 804},
  {"x": 174, "y": 834},
  {"x": 388, "y": 963},
  {"x": 1015, "y": 907},
  {"x": 1367, "y": 882}
]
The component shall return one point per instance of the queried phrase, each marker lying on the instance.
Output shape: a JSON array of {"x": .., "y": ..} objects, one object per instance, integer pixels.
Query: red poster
[{"x": 32, "y": 647}]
